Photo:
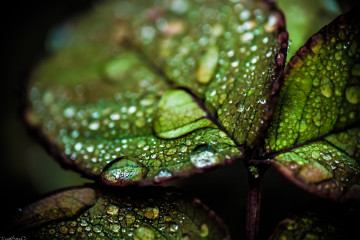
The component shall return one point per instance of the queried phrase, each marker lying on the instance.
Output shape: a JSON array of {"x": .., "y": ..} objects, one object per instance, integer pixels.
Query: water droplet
[
  {"x": 144, "y": 232},
  {"x": 185, "y": 236},
  {"x": 240, "y": 107},
  {"x": 112, "y": 210},
  {"x": 78, "y": 146},
  {"x": 94, "y": 125},
  {"x": 69, "y": 112},
  {"x": 148, "y": 100},
  {"x": 317, "y": 119},
  {"x": 124, "y": 171},
  {"x": 63, "y": 230},
  {"x": 97, "y": 229},
  {"x": 247, "y": 37},
  {"x": 162, "y": 174},
  {"x": 327, "y": 87},
  {"x": 235, "y": 63},
  {"x": 353, "y": 94},
  {"x": 148, "y": 33},
  {"x": 173, "y": 227},
  {"x": 115, "y": 116},
  {"x": 207, "y": 65},
  {"x": 204, "y": 230},
  {"x": 151, "y": 212},
  {"x": 115, "y": 228},
  {"x": 129, "y": 219},
  {"x": 244, "y": 15},
  {"x": 203, "y": 156}
]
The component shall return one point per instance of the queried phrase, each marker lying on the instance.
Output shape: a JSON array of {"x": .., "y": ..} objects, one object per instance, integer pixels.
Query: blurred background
[{"x": 27, "y": 172}]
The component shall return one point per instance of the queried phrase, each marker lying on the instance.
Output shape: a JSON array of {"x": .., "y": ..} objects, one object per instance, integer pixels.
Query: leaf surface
[
  {"x": 109, "y": 103},
  {"x": 319, "y": 223},
  {"x": 318, "y": 111},
  {"x": 93, "y": 213}
]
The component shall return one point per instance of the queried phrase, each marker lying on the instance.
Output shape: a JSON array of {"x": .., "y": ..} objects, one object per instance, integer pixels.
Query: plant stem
[{"x": 253, "y": 203}]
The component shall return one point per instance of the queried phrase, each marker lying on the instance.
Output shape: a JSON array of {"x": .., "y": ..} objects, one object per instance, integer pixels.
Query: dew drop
[
  {"x": 112, "y": 210},
  {"x": 173, "y": 227},
  {"x": 144, "y": 232},
  {"x": 317, "y": 119},
  {"x": 162, "y": 174},
  {"x": 185, "y": 236},
  {"x": 94, "y": 126},
  {"x": 327, "y": 87},
  {"x": 123, "y": 171},
  {"x": 204, "y": 230},
  {"x": 151, "y": 212},
  {"x": 240, "y": 107},
  {"x": 69, "y": 112},
  {"x": 203, "y": 156},
  {"x": 353, "y": 94},
  {"x": 115, "y": 228}
]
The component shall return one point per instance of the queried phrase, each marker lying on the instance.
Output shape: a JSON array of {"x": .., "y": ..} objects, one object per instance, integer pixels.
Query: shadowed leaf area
[
  {"x": 92, "y": 213},
  {"x": 315, "y": 128},
  {"x": 137, "y": 92},
  {"x": 318, "y": 223}
]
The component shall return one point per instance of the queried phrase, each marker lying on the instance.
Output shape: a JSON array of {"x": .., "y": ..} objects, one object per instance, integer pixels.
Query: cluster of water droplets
[{"x": 135, "y": 218}]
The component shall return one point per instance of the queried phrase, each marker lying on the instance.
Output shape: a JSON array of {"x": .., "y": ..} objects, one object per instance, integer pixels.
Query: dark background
[{"x": 27, "y": 172}]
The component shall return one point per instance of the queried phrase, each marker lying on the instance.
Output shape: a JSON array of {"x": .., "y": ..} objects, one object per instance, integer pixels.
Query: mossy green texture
[
  {"x": 321, "y": 87},
  {"x": 154, "y": 214},
  {"x": 135, "y": 90}
]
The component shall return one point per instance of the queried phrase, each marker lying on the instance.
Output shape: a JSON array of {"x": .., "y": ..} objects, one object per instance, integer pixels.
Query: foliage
[{"x": 181, "y": 87}]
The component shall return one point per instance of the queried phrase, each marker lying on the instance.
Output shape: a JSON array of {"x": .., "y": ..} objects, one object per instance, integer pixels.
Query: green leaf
[
  {"x": 158, "y": 89},
  {"x": 93, "y": 213},
  {"x": 319, "y": 105},
  {"x": 318, "y": 224}
]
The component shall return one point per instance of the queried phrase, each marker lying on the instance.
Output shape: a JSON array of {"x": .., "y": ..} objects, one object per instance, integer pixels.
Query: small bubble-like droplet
[
  {"x": 173, "y": 227},
  {"x": 162, "y": 174},
  {"x": 204, "y": 230},
  {"x": 327, "y": 87}
]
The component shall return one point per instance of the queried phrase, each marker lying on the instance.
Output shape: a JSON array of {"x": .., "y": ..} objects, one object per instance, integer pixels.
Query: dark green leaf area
[
  {"x": 321, "y": 221},
  {"x": 155, "y": 213},
  {"x": 304, "y": 228},
  {"x": 321, "y": 91},
  {"x": 224, "y": 52},
  {"x": 328, "y": 167}
]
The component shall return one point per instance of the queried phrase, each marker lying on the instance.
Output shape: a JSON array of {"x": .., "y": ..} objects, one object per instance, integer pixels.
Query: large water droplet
[
  {"x": 203, "y": 156},
  {"x": 151, "y": 212},
  {"x": 124, "y": 171},
  {"x": 207, "y": 65},
  {"x": 353, "y": 94},
  {"x": 144, "y": 232}
]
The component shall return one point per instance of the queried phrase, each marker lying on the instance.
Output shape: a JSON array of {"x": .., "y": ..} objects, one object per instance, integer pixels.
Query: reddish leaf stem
[{"x": 253, "y": 203}]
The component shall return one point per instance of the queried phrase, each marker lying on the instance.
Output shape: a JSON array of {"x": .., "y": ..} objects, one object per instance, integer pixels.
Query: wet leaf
[
  {"x": 144, "y": 91},
  {"x": 318, "y": 109},
  {"x": 319, "y": 223},
  {"x": 93, "y": 213}
]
